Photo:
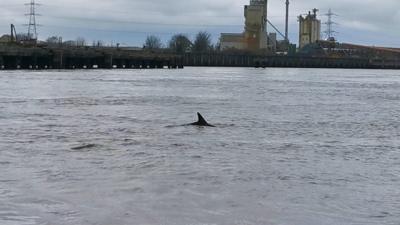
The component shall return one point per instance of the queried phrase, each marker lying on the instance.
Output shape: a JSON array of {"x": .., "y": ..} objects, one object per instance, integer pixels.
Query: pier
[
  {"x": 38, "y": 58},
  {"x": 22, "y": 57},
  {"x": 220, "y": 59},
  {"x": 297, "y": 61},
  {"x": 312, "y": 62}
]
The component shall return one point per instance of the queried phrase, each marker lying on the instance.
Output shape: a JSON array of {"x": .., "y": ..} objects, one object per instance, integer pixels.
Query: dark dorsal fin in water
[{"x": 201, "y": 121}]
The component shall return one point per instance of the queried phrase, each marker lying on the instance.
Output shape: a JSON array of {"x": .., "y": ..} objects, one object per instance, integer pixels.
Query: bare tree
[
  {"x": 202, "y": 42},
  {"x": 153, "y": 42},
  {"x": 24, "y": 37},
  {"x": 70, "y": 43},
  {"x": 217, "y": 47},
  {"x": 180, "y": 43},
  {"x": 98, "y": 43},
  {"x": 80, "y": 42},
  {"x": 54, "y": 40}
]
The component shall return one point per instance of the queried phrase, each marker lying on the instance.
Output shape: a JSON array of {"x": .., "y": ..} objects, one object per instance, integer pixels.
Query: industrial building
[
  {"x": 232, "y": 41},
  {"x": 254, "y": 37},
  {"x": 257, "y": 48},
  {"x": 310, "y": 29},
  {"x": 5, "y": 38}
]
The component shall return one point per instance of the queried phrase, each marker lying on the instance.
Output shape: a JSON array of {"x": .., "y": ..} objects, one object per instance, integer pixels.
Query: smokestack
[{"x": 287, "y": 21}]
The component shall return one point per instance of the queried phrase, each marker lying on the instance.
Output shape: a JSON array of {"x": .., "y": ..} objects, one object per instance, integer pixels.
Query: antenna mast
[{"x": 32, "y": 26}]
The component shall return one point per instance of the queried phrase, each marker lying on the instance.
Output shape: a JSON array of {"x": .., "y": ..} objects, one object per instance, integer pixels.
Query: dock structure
[
  {"x": 312, "y": 62},
  {"x": 220, "y": 59},
  {"x": 22, "y": 57},
  {"x": 296, "y": 61}
]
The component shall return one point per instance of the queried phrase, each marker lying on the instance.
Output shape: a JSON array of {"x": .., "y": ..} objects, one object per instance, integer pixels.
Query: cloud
[{"x": 130, "y": 21}]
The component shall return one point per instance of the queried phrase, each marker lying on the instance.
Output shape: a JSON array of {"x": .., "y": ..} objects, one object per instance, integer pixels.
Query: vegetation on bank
[{"x": 178, "y": 43}]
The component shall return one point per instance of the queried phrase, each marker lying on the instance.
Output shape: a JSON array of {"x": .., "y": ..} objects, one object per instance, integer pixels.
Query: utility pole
[
  {"x": 287, "y": 22},
  {"x": 32, "y": 26},
  {"x": 329, "y": 29}
]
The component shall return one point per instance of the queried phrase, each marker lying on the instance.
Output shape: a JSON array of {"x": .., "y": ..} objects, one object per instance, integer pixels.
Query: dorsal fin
[{"x": 201, "y": 120}]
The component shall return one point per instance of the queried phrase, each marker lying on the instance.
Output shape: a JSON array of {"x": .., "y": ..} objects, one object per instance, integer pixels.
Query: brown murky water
[{"x": 291, "y": 146}]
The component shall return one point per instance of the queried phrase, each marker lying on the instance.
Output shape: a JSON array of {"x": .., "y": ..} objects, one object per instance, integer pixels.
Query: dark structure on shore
[
  {"x": 321, "y": 55},
  {"x": 14, "y": 56},
  {"x": 252, "y": 48}
]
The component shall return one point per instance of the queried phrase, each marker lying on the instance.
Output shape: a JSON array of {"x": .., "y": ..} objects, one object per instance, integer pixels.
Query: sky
[{"x": 128, "y": 22}]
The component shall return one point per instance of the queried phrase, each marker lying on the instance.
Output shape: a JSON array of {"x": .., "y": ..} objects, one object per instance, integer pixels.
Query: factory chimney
[{"x": 287, "y": 22}]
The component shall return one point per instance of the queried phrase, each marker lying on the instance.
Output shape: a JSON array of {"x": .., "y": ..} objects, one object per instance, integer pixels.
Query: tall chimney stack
[{"x": 287, "y": 21}]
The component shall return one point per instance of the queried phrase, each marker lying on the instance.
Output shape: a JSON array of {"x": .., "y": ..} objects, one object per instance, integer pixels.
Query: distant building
[
  {"x": 256, "y": 27},
  {"x": 232, "y": 41},
  {"x": 5, "y": 38},
  {"x": 70, "y": 43},
  {"x": 272, "y": 42},
  {"x": 310, "y": 29},
  {"x": 254, "y": 37}
]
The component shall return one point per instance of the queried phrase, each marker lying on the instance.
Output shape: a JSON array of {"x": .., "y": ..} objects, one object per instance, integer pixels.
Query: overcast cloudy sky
[{"x": 128, "y": 22}]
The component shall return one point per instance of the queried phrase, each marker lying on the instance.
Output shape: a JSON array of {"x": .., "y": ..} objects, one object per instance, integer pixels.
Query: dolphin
[{"x": 201, "y": 122}]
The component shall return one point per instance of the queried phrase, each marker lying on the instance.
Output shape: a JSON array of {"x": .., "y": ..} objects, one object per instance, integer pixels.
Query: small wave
[
  {"x": 381, "y": 215},
  {"x": 13, "y": 101},
  {"x": 129, "y": 142},
  {"x": 82, "y": 147},
  {"x": 138, "y": 154}
]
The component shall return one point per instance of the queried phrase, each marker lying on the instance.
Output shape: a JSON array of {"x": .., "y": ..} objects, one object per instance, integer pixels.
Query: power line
[
  {"x": 139, "y": 22},
  {"x": 147, "y": 23}
]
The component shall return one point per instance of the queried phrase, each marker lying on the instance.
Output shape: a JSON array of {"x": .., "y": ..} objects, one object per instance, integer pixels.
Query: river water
[{"x": 290, "y": 147}]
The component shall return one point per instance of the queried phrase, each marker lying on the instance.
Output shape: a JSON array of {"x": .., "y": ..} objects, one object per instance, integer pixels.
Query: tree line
[{"x": 179, "y": 43}]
